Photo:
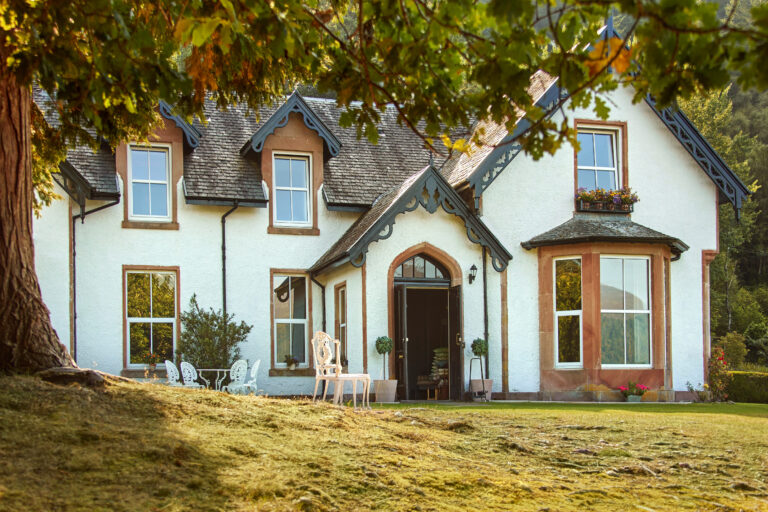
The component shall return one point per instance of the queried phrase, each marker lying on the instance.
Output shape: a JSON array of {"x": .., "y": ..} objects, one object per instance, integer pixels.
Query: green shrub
[
  {"x": 735, "y": 348},
  {"x": 209, "y": 339},
  {"x": 719, "y": 377},
  {"x": 757, "y": 343},
  {"x": 748, "y": 387}
]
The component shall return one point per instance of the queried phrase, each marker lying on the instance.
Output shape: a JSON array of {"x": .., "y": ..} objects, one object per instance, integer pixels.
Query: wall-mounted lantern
[{"x": 472, "y": 273}]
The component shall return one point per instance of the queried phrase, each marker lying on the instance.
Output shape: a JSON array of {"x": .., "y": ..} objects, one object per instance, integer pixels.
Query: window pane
[
  {"x": 408, "y": 268},
  {"x": 282, "y": 342},
  {"x": 140, "y": 199},
  {"x": 159, "y": 199},
  {"x": 606, "y": 180},
  {"x": 283, "y": 205},
  {"x": 439, "y": 273},
  {"x": 343, "y": 306},
  {"x": 568, "y": 343},
  {"x": 299, "y": 173},
  {"x": 139, "y": 164},
  {"x": 162, "y": 340},
  {"x": 638, "y": 338},
  {"x": 138, "y": 295},
  {"x": 568, "y": 285},
  {"x": 636, "y": 283},
  {"x": 343, "y": 340},
  {"x": 282, "y": 172},
  {"x": 611, "y": 288},
  {"x": 300, "y": 207},
  {"x": 299, "y": 298},
  {"x": 612, "y": 338},
  {"x": 139, "y": 342},
  {"x": 429, "y": 270},
  {"x": 586, "y": 150},
  {"x": 604, "y": 150},
  {"x": 281, "y": 296},
  {"x": 399, "y": 271},
  {"x": 163, "y": 295},
  {"x": 298, "y": 342},
  {"x": 418, "y": 267},
  {"x": 157, "y": 165},
  {"x": 587, "y": 180}
]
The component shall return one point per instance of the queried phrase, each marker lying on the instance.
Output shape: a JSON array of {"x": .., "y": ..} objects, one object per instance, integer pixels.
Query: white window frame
[
  {"x": 615, "y": 133},
  {"x": 649, "y": 311},
  {"x": 149, "y": 320},
  {"x": 129, "y": 186},
  {"x": 305, "y": 321},
  {"x": 309, "y": 190},
  {"x": 575, "y": 312}
]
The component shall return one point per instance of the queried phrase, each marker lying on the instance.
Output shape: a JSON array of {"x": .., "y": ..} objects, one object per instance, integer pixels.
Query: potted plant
[
  {"x": 482, "y": 385},
  {"x": 152, "y": 359},
  {"x": 633, "y": 392},
  {"x": 385, "y": 388},
  {"x": 291, "y": 361},
  {"x": 620, "y": 200}
]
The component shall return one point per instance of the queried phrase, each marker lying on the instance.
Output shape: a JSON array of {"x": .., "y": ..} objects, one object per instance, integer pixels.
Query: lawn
[{"x": 144, "y": 447}]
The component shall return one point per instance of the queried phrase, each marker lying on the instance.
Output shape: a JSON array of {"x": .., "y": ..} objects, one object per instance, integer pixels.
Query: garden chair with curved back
[
  {"x": 328, "y": 371},
  {"x": 237, "y": 375},
  {"x": 189, "y": 376},
  {"x": 172, "y": 374},
  {"x": 250, "y": 383}
]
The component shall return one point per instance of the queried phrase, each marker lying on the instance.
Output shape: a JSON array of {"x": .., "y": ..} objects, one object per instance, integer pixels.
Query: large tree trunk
[{"x": 27, "y": 339}]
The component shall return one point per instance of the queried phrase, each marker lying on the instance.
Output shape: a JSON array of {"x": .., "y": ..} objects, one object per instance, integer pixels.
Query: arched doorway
[{"x": 426, "y": 314}]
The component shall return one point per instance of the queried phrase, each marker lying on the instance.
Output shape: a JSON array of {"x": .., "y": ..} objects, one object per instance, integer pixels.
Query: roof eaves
[
  {"x": 295, "y": 103},
  {"x": 191, "y": 134}
]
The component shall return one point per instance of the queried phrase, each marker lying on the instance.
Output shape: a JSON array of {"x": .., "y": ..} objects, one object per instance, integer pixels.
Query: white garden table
[{"x": 221, "y": 374}]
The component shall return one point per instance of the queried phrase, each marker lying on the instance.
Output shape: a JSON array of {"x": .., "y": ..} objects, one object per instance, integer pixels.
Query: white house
[{"x": 294, "y": 225}]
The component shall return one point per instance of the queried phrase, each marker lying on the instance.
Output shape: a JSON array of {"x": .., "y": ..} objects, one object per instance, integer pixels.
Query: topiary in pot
[
  {"x": 384, "y": 389},
  {"x": 481, "y": 388},
  {"x": 480, "y": 347}
]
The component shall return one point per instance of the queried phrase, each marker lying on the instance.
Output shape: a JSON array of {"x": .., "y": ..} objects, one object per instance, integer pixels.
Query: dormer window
[
  {"x": 292, "y": 191},
  {"x": 597, "y": 160},
  {"x": 149, "y": 177}
]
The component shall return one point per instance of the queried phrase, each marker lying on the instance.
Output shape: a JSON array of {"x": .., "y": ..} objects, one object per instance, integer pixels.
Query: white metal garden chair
[
  {"x": 329, "y": 372},
  {"x": 172, "y": 374},
  {"x": 189, "y": 376},
  {"x": 250, "y": 384},
  {"x": 237, "y": 377}
]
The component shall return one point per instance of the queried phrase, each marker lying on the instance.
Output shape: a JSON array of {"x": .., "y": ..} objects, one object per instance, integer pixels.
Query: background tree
[{"x": 440, "y": 63}]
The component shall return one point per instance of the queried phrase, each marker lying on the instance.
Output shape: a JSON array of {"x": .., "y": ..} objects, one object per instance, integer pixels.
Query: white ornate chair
[
  {"x": 329, "y": 372},
  {"x": 172, "y": 374},
  {"x": 237, "y": 377},
  {"x": 189, "y": 376},
  {"x": 250, "y": 384}
]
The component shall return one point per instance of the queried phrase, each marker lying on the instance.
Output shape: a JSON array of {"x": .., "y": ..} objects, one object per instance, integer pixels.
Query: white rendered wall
[
  {"x": 676, "y": 198},
  {"x": 50, "y": 233}
]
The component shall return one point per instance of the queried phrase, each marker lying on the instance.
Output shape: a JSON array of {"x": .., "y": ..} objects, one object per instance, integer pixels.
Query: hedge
[{"x": 748, "y": 387}]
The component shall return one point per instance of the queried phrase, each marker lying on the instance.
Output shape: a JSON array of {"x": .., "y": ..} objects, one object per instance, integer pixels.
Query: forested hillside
[{"x": 736, "y": 124}]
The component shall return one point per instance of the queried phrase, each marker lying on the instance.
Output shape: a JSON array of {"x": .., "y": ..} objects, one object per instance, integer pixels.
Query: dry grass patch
[{"x": 133, "y": 447}]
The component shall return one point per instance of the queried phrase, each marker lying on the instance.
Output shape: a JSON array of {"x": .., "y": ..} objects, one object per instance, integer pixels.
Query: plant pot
[
  {"x": 291, "y": 366},
  {"x": 476, "y": 386},
  {"x": 152, "y": 367},
  {"x": 634, "y": 398},
  {"x": 385, "y": 390}
]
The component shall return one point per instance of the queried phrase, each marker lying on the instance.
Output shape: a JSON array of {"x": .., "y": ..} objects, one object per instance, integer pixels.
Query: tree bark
[{"x": 28, "y": 341}]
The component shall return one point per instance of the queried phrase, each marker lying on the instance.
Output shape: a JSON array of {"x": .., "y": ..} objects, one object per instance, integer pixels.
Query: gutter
[
  {"x": 224, "y": 256},
  {"x": 485, "y": 308},
  {"x": 81, "y": 216}
]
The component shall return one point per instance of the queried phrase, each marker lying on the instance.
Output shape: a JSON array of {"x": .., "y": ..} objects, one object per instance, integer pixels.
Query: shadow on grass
[{"x": 116, "y": 448}]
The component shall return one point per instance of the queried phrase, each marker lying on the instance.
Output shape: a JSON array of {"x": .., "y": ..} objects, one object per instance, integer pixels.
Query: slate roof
[
  {"x": 458, "y": 169},
  {"x": 354, "y": 178},
  {"x": 361, "y": 226},
  {"x": 97, "y": 168},
  {"x": 597, "y": 228}
]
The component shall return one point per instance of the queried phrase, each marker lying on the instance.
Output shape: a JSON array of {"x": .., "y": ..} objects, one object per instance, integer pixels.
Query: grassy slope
[{"x": 137, "y": 447}]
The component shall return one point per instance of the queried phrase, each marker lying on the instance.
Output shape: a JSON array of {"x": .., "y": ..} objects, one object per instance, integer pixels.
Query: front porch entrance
[{"x": 427, "y": 321}]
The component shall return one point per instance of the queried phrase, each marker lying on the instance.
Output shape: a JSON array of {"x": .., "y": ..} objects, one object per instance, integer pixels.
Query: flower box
[{"x": 603, "y": 207}]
